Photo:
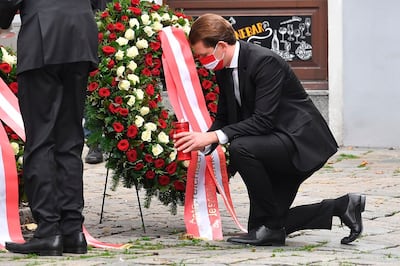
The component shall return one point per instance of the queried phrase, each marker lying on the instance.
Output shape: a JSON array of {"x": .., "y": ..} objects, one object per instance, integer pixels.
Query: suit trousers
[
  {"x": 272, "y": 181},
  {"x": 51, "y": 100}
]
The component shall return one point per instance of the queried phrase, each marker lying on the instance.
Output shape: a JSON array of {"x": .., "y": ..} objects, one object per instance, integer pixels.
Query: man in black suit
[
  {"x": 277, "y": 136},
  {"x": 57, "y": 47}
]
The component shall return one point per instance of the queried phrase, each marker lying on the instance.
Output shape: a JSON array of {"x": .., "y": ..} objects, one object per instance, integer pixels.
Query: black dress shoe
[
  {"x": 75, "y": 243},
  {"x": 352, "y": 217},
  {"x": 94, "y": 156},
  {"x": 261, "y": 236},
  {"x": 47, "y": 246}
]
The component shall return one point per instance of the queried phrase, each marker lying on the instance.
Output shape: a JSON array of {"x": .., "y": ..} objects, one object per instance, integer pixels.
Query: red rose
[
  {"x": 131, "y": 155},
  {"x": 150, "y": 174},
  {"x": 132, "y": 131},
  {"x": 206, "y": 84},
  {"x": 117, "y": 6},
  {"x": 100, "y": 36},
  {"x": 150, "y": 89},
  {"x": 162, "y": 123},
  {"x": 163, "y": 180},
  {"x": 110, "y": 27},
  {"x": 135, "y": 2},
  {"x": 212, "y": 107},
  {"x": 155, "y": 72},
  {"x": 119, "y": 27},
  {"x": 211, "y": 96},
  {"x": 138, "y": 166},
  {"x": 179, "y": 185},
  {"x": 14, "y": 87},
  {"x": 146, "y": 72},
  {"x": 6, "y": 68},
  {"x": 216, "y": 89},
  {"x": 155, "y": 7},
  {"x": 118, "y": 100},
  {"x": 159, "y": 163},
  {"x": 157, "y": 63},
  {"x": 164, "y": 114},
  {"x": 113, "y": 109},
  {"x": 203, "y": 72},
  {"x": 152, "y": 104},
  {"x": 171, "y": 168},
  {"x": 111, "y": 64},
  {"x": 118, "y": 127},
  {"x": 93, "y": 86},
  {"x": 108, "y": 50},
  {"x": 112, "y": 36},
  {"x": 123, "y": 145},
  {"x": 104, "y": 92},
  {"x": 105, "y": 14},
  {"x": 14, "y": 136},
  {"x": 93, "y": 73},
  {"x": 135, "y": 10},
  {"x": 114, "y": 82},
  {"x": 148, "y": 158},
  {"x": 148, "y": 59},
  {"x": 124, "y": 18},
  {"x": 155, "y": 45},
  {"x": 123, "y": 111}
]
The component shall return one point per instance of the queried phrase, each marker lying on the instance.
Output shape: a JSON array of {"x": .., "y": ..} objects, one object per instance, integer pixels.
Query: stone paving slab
[{"x": 375, "y": 172}]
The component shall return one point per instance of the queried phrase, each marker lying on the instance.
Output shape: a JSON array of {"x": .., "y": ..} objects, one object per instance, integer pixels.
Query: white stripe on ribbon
[{"x": 11, "y": 111}]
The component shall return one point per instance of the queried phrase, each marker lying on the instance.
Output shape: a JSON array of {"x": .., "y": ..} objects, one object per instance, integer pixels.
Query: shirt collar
[{"x": 235, "y": 57}]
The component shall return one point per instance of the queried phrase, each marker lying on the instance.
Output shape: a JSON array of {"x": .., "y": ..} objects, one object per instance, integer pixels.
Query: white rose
[
  {"x": 157, "y": 26},
  {"x": 99, "y": 24},
  {"x": 142, "y": 44},
  {"x": 162, "y": 137},
  {"x": 174, "y": 18},
  {"x": 120, "y": 71},
  {"x": 139, "y": 121},
  {"x": 132, "y": 65},
  {"x": 146, "y": 135},
  {"x": 150, "y": 126},
  {"x": 165, "y": 17},
  {"x": 124, "y": 85},
  {"x": 20, "y": 160},
  {"x": 131, "y": 100},
  {"x": 132, "y": 52},
  {"x": 155, "y": 16},
  {"x": 9, "y": 59},
  {"x": 157, "y": 149},
  {"x": 186, "y": 163},
  {"x": 144, "y": 110},
  {"x": 139, "y": 94},
  {"x": 145, "y": 19},
  {"x": 15, "y": 147},
  {"x": 148, "y": 30},
  {"x": 133, "y": 22},
  {"x": 119, "y": 55},
  {"x": 172, "y": 155},
  {"x": 186, "y": 29},
  {"x": 132, "y": 77},
  {"x": 122, "y": 41},
  {"x": 129, "y": 34}
]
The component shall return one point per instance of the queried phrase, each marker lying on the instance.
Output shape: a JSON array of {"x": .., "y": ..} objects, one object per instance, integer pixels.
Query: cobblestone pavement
[{"x": 375, "y": 172}]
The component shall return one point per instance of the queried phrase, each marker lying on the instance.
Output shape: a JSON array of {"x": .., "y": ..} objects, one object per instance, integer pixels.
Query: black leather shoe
[
  {"x": 352, "y": 217},
  {"x": 75, "y": 243},
  {"x": 94, "y": 155},
  {"x": 261, "y": 236},
  {"x": 48, "y": 246}
]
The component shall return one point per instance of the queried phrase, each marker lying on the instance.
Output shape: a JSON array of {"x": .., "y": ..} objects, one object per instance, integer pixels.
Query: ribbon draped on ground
[
  {"x": 205, "y": 173},
  {"x": 10, "y": 226}
]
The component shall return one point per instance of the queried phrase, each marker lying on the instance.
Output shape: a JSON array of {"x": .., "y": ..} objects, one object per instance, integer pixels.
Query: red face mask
[{"x": 211, "y": 62}]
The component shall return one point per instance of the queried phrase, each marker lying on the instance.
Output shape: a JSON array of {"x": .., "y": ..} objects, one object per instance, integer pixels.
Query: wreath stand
[{"x": 137, "y": 196}]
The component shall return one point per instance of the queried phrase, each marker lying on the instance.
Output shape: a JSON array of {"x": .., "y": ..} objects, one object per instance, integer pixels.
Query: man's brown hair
[{"x": 210, "y": 29}]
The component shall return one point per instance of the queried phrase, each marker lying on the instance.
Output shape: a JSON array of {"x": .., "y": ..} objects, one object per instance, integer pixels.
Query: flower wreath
[
  {"x": 8, "y": 72},
  {"x": 124, "y": 111}
]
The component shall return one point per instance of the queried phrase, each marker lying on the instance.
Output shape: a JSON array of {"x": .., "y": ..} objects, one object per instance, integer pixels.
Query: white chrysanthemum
[
  {"x": 145, "y": 19},
  {"x": 131, "y": 100},
  {"x": 15, "y": 147},
  {"x": 120, "y": 71},
  {"x": 150, "y": 126},
  {"x": 132, "y": 65},
  {"x": 122, "y": 41},
  {"x": 139, "y": 94},
  {"x": 144, "y": 110},
  {"x": 134, "y": 78},
  {"x": 119, "y": 55},
  {"x": 165, "y": 17},
  {"x": 139, "y": 121},
  {"x": 146, "y": 135},
  {"x": 162, "y": 137},
  {"x": 172, "y": 155},
  {"x": 142, "y": 44},
  {"x": 124, "y": 85},
  {"x": 148, "y": 30},
  {"x": 134, "y": 23},
  {"x": 157, "y": 26},
  {"x": 132, "y": 52},
  {"x": 157, "y": 149},
  {"x": 129, "y": 34},
  {"x": 155, "y": 16}
]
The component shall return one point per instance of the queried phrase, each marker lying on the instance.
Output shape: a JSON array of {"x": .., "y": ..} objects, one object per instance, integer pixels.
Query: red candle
[{"x": 182, "y": 127}]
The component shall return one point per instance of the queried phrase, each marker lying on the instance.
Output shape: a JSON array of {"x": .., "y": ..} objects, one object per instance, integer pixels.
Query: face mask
[{"x": 211, "y": 62}]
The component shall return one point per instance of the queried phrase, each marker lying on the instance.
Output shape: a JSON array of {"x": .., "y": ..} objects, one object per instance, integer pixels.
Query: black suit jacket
[
  {"x": 273, "y": 102},
  {"x": 56, "y": 32}
]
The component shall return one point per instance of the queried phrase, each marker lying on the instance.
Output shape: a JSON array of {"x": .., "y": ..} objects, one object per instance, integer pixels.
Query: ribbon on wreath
[
  {"x": 10, "y": 226},
  {"x": 205, "y": 173}
]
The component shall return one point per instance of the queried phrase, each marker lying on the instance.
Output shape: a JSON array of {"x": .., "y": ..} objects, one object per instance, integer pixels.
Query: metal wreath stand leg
[{"x": 137, "y": 196}]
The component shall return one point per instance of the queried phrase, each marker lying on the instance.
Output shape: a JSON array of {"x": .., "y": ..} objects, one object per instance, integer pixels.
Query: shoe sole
[{"x": 363, "y": 199}]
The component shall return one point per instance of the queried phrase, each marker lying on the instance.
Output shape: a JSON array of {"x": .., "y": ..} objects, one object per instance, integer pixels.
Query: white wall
[{"x": 364, "y": 79}]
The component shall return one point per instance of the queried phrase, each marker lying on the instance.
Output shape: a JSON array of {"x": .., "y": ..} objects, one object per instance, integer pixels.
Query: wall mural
[{"x": 288, "y": 36}]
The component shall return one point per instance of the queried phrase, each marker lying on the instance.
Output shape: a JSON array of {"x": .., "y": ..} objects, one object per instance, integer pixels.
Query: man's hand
[{"x": 192, "y": 141}]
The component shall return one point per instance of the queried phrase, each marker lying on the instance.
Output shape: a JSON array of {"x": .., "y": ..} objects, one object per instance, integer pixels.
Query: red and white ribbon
[{"x": 202, "y": 216}]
